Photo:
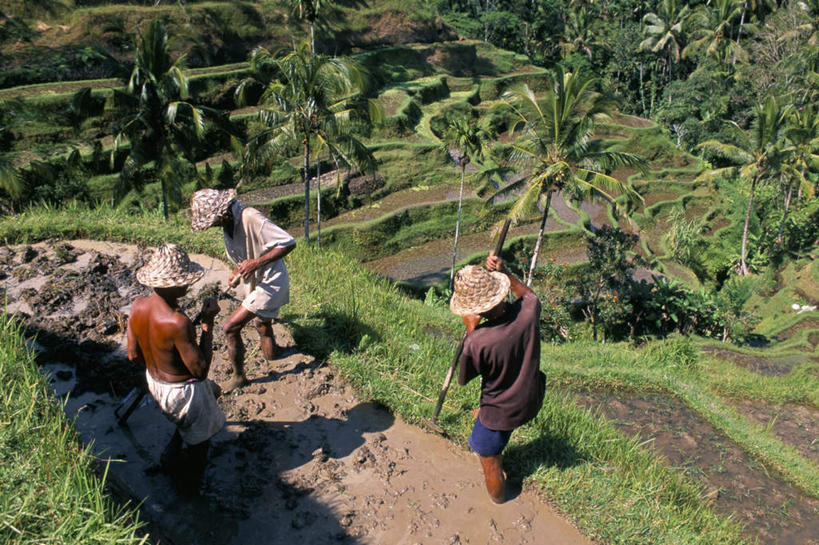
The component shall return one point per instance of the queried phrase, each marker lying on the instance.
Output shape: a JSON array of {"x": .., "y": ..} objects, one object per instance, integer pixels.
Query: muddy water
[
  {"x": 301, "y": 459},
  {"x": 773, "y": 511}
]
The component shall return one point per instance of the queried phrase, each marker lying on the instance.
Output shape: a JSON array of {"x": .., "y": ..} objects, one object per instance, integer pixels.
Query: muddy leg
[
  {"x": 188, "y": 477},
  {"x": 170, "y": 457},
  {"x": 236, "y": 348},
  {"x": 266, "y": 338},
  {"x": 495, "y": 479}
]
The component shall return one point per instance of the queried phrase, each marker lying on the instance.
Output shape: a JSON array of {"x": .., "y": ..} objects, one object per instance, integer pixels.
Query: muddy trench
[
  {"x": 301, "y": 459},
  {"x": 771, "y": 510}
]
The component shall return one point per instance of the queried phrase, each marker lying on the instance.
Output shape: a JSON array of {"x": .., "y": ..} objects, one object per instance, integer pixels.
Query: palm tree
[
  {"x": 712, "y": 23},
  {"x": 756, "y": 157},
  {"x": 308, "y": 10},
  {"x": 579, "y": 34},
  {"x": 664, "y": 31},
  {"x": 9, "y": 177},
  {"x": 558, "y": 149},
  {"x": 466, "y": 142},
  {"x": 314, "y": 103},
  {"x": 155, "y": 117},
  {"x": 801, "y": 157}
]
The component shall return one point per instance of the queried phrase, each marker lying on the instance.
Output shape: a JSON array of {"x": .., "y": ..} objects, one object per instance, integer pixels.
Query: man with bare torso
[{"x": 163, "y": 339}]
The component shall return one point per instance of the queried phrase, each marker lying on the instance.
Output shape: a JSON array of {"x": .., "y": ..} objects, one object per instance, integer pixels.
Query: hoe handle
[{"x": 502, "y": 237}]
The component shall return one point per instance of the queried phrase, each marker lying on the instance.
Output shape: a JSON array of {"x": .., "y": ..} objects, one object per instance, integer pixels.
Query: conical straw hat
[
  {"x": 169, "y": 267},
  {"x": 477, "y": 290},
  {"x": 208, "y": 206}
]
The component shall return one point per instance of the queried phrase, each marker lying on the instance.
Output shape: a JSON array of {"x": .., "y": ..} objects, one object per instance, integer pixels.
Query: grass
[
  {"x": 50, "y": 489},
  {"x": 395, "y": 350}
]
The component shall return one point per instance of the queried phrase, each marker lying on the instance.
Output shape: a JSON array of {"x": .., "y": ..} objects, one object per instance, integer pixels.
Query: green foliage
[
  {"x": 50, "y": 489},
  {"x": 684, "y": 238}
]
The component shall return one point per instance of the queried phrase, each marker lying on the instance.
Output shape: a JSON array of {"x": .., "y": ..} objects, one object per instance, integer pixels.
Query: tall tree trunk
[
  {"x": 457, "y": 224},
  {"x": 536, "y": 251},
  {"x": 781, "y": 235},
  {"x": 305, "y": 176},
  {"x": 313, "y": 38},
  {"x": 739, "y": 33},
  {"x": 318, "y": 201},
  {"x": 743, "y": 266},
  {"x": 642, "y": 91}
]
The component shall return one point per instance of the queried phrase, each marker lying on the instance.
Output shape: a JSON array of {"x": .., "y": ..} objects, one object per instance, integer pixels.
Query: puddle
[
  {"x": 760, "y": 364},
  {"x": 772, "y": 510},
  {"x": 792, "y": 424}
]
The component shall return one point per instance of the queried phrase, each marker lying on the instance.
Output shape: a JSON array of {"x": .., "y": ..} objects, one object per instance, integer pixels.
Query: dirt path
[{"x": 302, "y": 459}]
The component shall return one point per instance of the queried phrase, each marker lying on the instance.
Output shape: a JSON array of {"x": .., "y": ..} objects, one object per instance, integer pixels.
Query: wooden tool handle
[{"x": 502, "y": 237}]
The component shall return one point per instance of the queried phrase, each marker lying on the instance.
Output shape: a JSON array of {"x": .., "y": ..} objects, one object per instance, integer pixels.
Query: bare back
[{"x": 162, "y": 338}]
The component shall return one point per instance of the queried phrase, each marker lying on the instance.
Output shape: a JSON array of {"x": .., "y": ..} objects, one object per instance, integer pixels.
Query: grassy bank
[
  {"x": 49, "y": 491},
  {"x": 395, "y": 350}
]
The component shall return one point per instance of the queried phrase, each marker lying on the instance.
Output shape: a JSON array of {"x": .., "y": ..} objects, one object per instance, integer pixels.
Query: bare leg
[
  {"x": 266, "y": 338},
  {"x": 495, "y": 480},
  {"x": 236, "y": 348}
]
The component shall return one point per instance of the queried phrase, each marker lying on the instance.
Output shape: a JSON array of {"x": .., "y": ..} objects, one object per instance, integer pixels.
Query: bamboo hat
[
  {"x": 209, "y": 206},
  {"x": 169, "y": 267},
  {"x": 477, "y": 290}
]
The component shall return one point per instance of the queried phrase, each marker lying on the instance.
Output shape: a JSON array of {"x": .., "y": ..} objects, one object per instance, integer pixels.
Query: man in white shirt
[{"x": 256, "y": 246}]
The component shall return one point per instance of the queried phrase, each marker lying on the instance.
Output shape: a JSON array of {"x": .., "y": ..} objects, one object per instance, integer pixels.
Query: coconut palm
[
  {"x": 712, "y": 24},
  {"x": 558, "y": 151},
  {"x": 308, "y": 10},
  {"x": 466, "y": 142},
  {"x": 801, "y": 157},
  {"x": 9, "y": 178},
  {"x": 155, "y": 117},
  {"x": 313, "y": 104},
  {"x": 664, "y": 31},
  {"x": 579, "y": 34},
  {"x": 757, "y": 156}
]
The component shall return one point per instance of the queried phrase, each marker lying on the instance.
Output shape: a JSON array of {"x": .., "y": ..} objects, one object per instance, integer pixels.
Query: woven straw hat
[
  {"x": 209, "y": 206},
  {"x": 477, "y": 290},
  {"x": 169, "y": 267}
]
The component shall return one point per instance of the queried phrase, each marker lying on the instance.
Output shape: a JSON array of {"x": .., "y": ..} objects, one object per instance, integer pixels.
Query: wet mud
[
  {"x": 793, "y": 424},
  {"x": 774, "y": 366},
  {"x": 301, "y": 460},
  {"x": 773, "y": 511}
]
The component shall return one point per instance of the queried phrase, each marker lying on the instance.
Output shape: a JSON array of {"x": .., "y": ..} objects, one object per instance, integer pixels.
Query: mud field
[
  {"x": 301, "y": 459},
  {"x": 773, "y": 511}
]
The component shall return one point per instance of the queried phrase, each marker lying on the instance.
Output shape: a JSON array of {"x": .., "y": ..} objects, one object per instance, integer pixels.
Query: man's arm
[
  {"x": 134, "y": 352},
  {"x": 246, "y": 267},
  {"x": 197, "y": 359},
  {"x": 495, "y": 263}
]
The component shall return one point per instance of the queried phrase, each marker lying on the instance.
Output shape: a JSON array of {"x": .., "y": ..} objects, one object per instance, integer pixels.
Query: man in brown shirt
[
  {"x": 504, "y": 351},
  {"x": 162, "y": 338}
]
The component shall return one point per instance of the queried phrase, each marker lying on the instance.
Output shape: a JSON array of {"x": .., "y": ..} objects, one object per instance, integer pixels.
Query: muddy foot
[{"x": 238, "y": 381}]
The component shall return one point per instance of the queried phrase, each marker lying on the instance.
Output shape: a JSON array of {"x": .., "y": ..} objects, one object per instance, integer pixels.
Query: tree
[
  {"x": 579, "y": 34},
  {"x": 155, "y": 117},
  {"x": 801, "y": 157},
  {"x": 712, "y": 23},
  {"x": 466, "y": 142},
  {"x": 664, "y": 31},
  {"x": 558, "y": 151},
  {"x": 9, "y": 177},
  {"x": 308, "y": 10},
  {"x": 313, "y": 103},
  {"x": 756, "y": 157}
]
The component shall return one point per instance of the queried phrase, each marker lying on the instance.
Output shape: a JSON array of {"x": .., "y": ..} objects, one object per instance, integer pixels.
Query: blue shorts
[{"x": 488, "y": 442}]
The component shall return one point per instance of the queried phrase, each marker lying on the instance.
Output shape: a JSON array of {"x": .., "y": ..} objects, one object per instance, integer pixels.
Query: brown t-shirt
[{"x": 506, "y": 354}]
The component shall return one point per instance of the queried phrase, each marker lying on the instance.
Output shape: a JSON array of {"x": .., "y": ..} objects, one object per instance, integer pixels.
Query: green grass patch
[{"x": 51, "y": 491}]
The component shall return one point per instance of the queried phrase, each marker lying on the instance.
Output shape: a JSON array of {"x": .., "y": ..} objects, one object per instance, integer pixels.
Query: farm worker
[
  {"x": 505, "y": 351},
  {"x": 256, "y": 246},
  {"x": 162, "y": 338}
]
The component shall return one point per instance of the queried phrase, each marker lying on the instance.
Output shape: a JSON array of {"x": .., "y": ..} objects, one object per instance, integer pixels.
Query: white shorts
[{"x": 190, "y": 405}]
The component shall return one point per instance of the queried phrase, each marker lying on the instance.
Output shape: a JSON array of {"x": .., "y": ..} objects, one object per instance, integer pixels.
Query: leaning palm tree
[
  {"x": 155, "y": 117},
  {"x": 757, "y": 156},
  {"x": 312, "y": 104},
  {"x": 558, "y": 150},
  {"x": 664, "y": 30},
  {"x": 466, "y": 142}
]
